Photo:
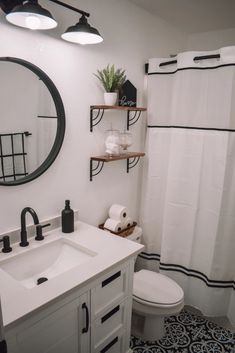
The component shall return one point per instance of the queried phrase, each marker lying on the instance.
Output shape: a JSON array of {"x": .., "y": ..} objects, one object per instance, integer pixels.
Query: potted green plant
[{"x": 111, "y": 79}]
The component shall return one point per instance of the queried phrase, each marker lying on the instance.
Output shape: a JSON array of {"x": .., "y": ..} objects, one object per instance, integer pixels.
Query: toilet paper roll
[
  {"x": 127, "y": 222},
  {"x": 118, "y": 212},
  {"x": 113, "y": 225}
]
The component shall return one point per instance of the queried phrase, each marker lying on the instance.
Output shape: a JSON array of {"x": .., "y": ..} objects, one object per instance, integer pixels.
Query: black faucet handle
[
  {"x": 6, "y": 244},
  {"x": 39, "y": 228}
]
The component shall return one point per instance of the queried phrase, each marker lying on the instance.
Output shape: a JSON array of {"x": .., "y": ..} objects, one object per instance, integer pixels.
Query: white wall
[
  {"x": 211, "y": 40},
  {"x": 131, "y": 36}
]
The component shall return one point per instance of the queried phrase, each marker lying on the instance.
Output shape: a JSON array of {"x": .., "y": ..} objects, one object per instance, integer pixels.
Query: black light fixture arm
[{"x": 70, "y": 7}]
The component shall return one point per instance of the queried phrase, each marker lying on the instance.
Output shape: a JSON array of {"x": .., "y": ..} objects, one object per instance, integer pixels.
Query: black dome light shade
[
  {"x": 82, "y": 33},
  {"x": 31, "y": 15}
]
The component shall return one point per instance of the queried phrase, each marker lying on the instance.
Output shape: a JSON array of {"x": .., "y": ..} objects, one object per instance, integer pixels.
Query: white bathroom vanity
[{"x": 85, "y": 304}]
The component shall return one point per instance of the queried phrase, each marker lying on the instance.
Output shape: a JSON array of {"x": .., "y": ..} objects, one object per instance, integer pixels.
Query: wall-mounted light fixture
[{"x": 30, "y": 14}]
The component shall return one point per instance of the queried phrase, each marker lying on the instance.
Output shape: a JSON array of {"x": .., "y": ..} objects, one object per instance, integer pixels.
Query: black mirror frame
[{"x": 60, "y": 112}]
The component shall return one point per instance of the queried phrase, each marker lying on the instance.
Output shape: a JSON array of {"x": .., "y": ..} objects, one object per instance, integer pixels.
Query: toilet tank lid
[{"x": 155, "y": 288}]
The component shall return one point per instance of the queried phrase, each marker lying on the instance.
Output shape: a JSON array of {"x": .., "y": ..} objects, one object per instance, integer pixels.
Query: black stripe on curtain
[
  {"x": 150, "y": 256},
  {"x": 190, "y": 68},
  {"x": 188, "y": 127},
  {"x": 188, "y": 272}
]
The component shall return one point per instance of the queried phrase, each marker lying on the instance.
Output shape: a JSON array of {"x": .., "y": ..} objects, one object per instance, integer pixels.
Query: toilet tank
[{"x": 136, "y": 235}]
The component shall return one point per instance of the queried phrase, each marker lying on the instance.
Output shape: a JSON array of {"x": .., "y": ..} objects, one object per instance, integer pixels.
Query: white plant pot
[{"x": 110, "y": 98}]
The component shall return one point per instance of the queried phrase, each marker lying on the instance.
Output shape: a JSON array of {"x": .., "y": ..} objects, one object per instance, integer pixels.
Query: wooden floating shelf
[
  {"x": 118, "y": 158},
  {"x": 132, "y": 159},
  {"x": 97, "y": 113},
  {"x": 118, "y": 107}
]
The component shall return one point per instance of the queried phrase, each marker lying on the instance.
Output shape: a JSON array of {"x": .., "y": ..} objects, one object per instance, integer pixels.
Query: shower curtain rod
[{"x": 196, "y": 58}]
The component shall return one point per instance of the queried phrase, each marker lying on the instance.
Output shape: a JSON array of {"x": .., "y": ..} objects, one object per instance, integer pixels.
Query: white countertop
[{"x": 18, "y": 301}]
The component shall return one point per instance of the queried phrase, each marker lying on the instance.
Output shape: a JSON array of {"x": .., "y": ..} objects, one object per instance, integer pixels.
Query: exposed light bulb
[
  {"x": 33, "y": 22},
  {"x": 82, "y": 38}
]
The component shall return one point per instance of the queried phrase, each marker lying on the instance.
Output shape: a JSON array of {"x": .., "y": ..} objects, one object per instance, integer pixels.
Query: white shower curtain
[{"x": 188, "y": 203}]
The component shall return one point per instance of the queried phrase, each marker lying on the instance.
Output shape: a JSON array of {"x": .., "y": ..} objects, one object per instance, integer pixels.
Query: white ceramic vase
[{"x": 110, "y": 98}]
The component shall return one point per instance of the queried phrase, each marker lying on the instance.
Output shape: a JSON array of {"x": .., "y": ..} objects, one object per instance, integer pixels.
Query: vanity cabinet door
[
  {"x": 60, "y": 330},
  {"x": 57, "y": 332}
]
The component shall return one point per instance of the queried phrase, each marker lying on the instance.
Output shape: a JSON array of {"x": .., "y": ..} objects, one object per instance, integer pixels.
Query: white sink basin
[{"x": 48, "y": 260}]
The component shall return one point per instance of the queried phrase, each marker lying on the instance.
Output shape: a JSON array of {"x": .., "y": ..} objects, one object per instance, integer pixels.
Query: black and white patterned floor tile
[{"x": 188, "y": 333}]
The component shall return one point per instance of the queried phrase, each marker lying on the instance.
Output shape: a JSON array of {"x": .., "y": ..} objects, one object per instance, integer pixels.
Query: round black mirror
[{"x": 32, "y": 123}]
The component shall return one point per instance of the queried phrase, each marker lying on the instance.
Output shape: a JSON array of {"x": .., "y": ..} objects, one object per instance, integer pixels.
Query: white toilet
[{"x": 155, "y": 296}]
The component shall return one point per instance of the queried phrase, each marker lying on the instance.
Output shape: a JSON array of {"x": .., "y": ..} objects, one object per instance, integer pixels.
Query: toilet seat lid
[{"x": 155, "y": 288}]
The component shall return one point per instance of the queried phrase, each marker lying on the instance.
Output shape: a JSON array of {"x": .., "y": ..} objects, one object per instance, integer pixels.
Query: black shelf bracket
[
  {"x": 132, "y": 120},
  {"x": 131, "y": 163},
  {"x": 95, "y": 119},
  {"x": 96, "y": 115},
  {"x": 95, "y": 170}
]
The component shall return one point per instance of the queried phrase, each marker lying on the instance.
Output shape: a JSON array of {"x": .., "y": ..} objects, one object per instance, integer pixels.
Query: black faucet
[{"x": 23, "y": 234}]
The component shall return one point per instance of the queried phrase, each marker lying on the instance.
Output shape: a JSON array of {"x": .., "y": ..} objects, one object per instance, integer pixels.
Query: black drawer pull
[
  {"x": 109, "y": 345},
  {"x": 111, "y": 313},
  {"x": 111, "y": 278}
]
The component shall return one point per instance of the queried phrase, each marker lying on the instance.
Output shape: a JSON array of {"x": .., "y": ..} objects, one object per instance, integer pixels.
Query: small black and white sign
[{"x": 128, "y": 95}]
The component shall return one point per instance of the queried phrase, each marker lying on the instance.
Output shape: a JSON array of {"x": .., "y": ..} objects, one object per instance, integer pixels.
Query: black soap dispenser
[{"x": 67, "y": 218}]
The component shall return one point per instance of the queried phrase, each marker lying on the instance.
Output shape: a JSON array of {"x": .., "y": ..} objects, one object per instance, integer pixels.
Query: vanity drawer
[
  {"x": 112, "y": 288},
  {"x": 110, "y": 321},
  {"x": 113, "y": 344}
]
